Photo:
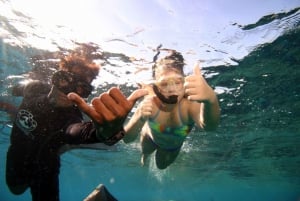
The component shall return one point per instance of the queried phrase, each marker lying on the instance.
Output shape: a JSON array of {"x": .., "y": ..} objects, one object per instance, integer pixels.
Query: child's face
[{"x": 170, "y": 83}]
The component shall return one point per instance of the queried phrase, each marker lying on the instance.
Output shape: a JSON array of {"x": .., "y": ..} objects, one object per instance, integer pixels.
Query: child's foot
[{"x": 143, "y": 160}]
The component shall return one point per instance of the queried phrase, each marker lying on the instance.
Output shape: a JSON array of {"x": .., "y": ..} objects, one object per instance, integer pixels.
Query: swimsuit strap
[
  {"x": 179, "y": 113},
  {"x": 189, "y": 123},
  {"x": 156, "y": 115}
]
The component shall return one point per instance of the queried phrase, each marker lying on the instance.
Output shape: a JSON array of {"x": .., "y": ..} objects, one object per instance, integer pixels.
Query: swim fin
[{"x": 100, "y": 194}]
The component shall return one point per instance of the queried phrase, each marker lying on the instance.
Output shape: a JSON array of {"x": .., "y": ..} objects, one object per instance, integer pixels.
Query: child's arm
[
  {"x": 209, "y": 114},
  {"x": 197, "y": 89},
  {"x": 136, "y": 123}
]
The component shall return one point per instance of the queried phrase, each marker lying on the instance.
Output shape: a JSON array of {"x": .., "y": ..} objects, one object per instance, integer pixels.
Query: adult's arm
[
  {"x": 32, "y": 89},
  {"x": 108, "y": 112}
]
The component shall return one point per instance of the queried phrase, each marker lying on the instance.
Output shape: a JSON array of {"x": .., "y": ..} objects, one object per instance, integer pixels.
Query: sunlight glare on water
[{"x": 138, "y": 28}]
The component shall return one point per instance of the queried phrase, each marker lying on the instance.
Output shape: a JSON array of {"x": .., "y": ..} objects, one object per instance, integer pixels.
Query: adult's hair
[{"x": 85, "y": 66}]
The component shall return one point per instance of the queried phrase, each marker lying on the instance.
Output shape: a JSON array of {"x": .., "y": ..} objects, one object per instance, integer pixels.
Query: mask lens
[
  {"x": 84, "y": 89},
  {"x": 69, "y": 82},
  {"x": 64, "y": 81},
  {"x": 166, "y": 85}
]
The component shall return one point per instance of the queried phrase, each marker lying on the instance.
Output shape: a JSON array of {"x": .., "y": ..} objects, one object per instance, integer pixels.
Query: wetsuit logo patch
[{"x": 25, "y": 121}]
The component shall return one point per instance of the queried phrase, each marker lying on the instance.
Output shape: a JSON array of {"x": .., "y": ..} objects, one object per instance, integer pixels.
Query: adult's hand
[{"x": 110, "y": 109}]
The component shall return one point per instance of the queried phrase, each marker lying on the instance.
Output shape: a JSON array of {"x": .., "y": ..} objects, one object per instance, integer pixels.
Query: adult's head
[
  {"x": 76, "y": 74},
  {"x": 81, "y": 66}
]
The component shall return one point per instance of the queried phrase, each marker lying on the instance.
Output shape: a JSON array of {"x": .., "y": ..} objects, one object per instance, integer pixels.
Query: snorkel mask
[
  {"x": 70, "y": 82},
  {"x": 163, "y": 86},
  {"x": 174, "y": 61}
]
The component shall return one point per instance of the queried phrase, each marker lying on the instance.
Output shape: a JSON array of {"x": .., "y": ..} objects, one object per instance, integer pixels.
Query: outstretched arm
[
  {"x": 109, "y": 110},
  {"x": 198, "y": 90},
  {"x": 136, "y": 123}
]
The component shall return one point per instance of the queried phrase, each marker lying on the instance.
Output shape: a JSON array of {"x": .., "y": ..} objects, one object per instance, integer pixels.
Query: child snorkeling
[{"x": 174, "y": 105}]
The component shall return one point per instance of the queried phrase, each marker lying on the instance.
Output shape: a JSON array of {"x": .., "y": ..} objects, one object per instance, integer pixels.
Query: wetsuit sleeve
[
  {"x": 36, "y": 89},
  {"x": 81, "y": 133},
  {"x": 32, "y": 89},
  {"x": 86, "y": 133},
  {"x": 113, "y": 139}
]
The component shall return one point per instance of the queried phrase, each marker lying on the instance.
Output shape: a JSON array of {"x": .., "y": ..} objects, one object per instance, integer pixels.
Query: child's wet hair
[{"x": 174, "y": 61}]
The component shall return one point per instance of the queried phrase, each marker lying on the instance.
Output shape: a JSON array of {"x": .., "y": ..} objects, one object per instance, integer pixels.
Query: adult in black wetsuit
[{"x": 50, "y": 117}]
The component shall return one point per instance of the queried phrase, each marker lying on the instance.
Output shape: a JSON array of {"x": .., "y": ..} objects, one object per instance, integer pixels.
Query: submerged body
[
  {"x": 33, "y": 158},
  {"x": 174, "y": 105},
  {"x": 166, "y": 136},
  {"x": 50, "y": 117}
]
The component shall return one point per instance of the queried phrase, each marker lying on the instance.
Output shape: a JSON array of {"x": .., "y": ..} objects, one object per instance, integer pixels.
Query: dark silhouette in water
[{"x": 9, "y": 109}]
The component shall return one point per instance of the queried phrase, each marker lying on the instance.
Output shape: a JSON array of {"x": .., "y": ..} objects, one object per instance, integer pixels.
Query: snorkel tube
[{"x": 168, "y": 100}]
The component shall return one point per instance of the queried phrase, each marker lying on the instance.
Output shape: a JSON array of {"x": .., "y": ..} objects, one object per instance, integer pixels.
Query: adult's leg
[
  {"x": 45, "y": 181},
  {"x": 17, "y": 170}
]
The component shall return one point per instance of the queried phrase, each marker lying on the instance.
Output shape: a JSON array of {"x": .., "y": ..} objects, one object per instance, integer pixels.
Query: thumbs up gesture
[{"x": 196, "y": 87}]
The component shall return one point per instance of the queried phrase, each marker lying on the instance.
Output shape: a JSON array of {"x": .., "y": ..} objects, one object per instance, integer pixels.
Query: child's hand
[
  {"x": 146, "y": 108},
  {"x": 196, "y": 87}
]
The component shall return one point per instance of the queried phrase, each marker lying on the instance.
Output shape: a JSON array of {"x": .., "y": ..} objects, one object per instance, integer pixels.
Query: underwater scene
[{"x": 251, "y": 58}]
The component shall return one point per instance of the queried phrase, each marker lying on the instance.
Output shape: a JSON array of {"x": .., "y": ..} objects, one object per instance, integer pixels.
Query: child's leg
[
  {"x": 148, "y": 147},
  {"x": 164, "y": 158}
]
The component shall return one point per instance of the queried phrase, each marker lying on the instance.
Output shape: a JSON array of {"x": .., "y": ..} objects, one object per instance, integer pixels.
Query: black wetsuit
[{"x": 38, "y": 133}]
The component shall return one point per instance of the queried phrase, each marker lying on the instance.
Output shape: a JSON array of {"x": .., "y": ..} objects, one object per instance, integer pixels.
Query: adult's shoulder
[{"x": 36, "y": 88}]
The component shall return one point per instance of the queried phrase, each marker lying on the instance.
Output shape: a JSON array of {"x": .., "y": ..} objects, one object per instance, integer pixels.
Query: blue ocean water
[{"x": 253, "y": 155}]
